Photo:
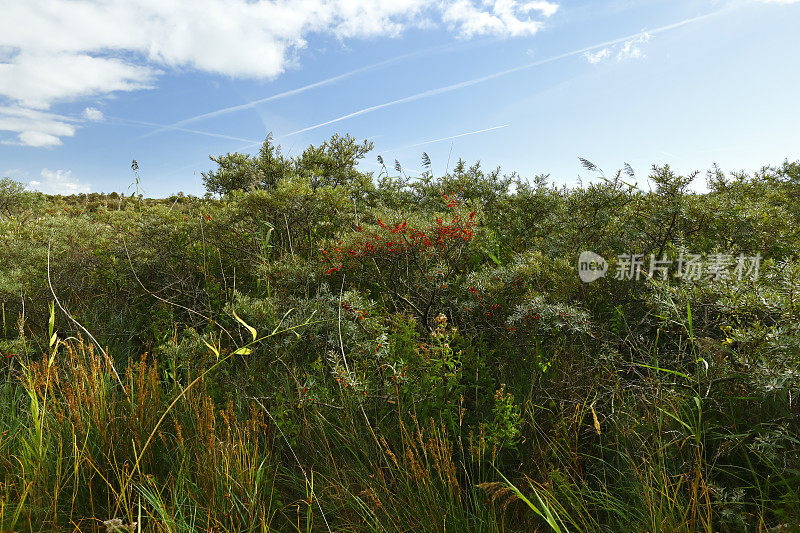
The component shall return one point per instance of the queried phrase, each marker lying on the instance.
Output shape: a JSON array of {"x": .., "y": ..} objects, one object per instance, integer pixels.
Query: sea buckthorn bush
[{"x": 312, "y": 346}]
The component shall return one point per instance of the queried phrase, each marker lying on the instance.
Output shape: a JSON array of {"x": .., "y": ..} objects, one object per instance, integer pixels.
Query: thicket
[{"x": 315, "y": 348}]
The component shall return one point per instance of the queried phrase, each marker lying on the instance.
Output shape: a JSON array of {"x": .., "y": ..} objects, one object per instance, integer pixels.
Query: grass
[{"x": 164, "y": 458}]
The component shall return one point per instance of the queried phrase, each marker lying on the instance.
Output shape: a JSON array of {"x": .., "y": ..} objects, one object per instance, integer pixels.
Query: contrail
[
  {"x": 176, "y": 128},
  {"x": 488, "y": 77},
  {"x": 448, "y": 138},
  {"x": 304, "y": 88}
]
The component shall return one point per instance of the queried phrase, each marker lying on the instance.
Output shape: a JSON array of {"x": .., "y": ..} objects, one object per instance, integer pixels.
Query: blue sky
[{"x": 86, "y": 85}]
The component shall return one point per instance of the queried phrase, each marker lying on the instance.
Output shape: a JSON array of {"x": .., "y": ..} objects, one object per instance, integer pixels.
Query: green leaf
[
  {"x": 678, "y": 420},
  {"x": 212, "y": 348},
  {"x": 250, "y": 328},
  {"x": 281, "y": 322},
  {"x": 545, "y": 513},
  {"x": 243, "y": 351},
  {"x": 667, "y": 370},
  {"x": 52, "y": 323}
]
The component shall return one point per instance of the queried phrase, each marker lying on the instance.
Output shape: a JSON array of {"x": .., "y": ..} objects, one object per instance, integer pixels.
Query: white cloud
[
  {"x": 93, "y": 114},
  {"x": 65, "y": 50},
  {"x": 497, "y": 17},
  {"x": 37, "y": 79},
  {"x": 598, "y": 56},
  {"x": 35, "y": 128},
  {"x": 548, "y": 9},
  {"x": 58, "y": 182},
  {"x": 38, "y": 138},
  {"x": 373, "y": 18},
  {"x": 15, "y": 173},
  {"x": 629, "y": 49}
]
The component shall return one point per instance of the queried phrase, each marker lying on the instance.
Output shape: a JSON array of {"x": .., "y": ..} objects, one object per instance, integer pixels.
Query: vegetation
[{"x": 313, "y": 348}]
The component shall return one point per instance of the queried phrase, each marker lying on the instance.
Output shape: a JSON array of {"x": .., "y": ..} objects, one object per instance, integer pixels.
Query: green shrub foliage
[{"x": 314, "y": 347}]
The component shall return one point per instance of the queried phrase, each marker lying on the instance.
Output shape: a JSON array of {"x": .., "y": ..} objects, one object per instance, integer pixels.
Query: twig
[
  {"x": 299, "y": 464},
  {"x": 288, "y": 234},
  {"x": 341, "y": 342},
  {"x": 344, "y": 358},
  {"x": 53, "y": 292},
  {"x": 448, "y": 159},
  {"x": 154, "y": 295}
]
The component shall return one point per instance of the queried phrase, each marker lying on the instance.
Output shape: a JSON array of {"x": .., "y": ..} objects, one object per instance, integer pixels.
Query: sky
[{"x": 87, "y": 86}]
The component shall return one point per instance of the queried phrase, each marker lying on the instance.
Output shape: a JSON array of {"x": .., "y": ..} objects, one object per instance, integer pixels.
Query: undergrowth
[{"x": 318, "y": 349}]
